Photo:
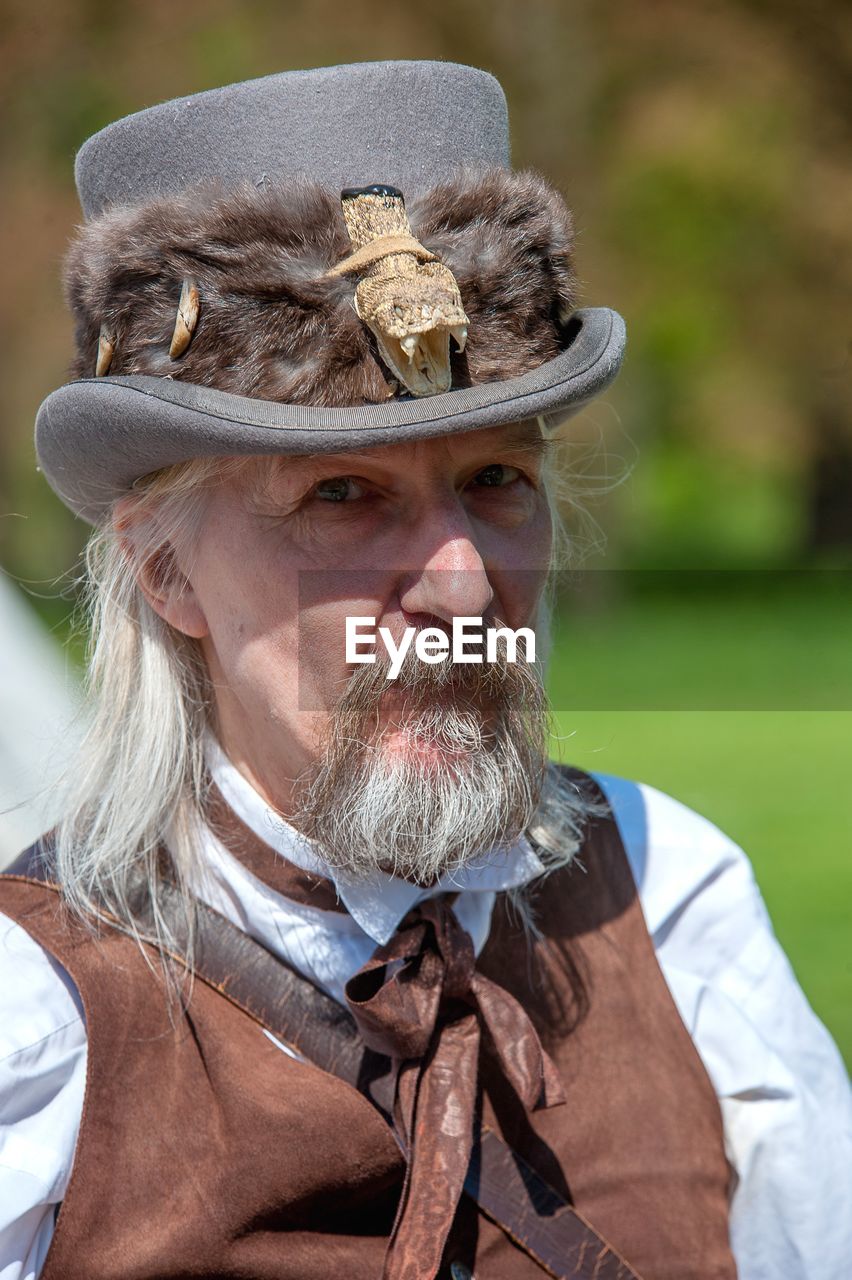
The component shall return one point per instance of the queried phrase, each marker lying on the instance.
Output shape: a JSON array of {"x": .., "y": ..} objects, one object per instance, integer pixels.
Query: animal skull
[{"x": 408, "y": 299}]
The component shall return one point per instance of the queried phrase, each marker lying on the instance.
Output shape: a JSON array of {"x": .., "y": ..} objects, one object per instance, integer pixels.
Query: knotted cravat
[{"x": 420, "y": 1001}]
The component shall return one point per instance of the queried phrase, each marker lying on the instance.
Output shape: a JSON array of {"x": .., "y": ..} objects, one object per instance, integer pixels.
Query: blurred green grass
[{"x": 773, "y": 776}]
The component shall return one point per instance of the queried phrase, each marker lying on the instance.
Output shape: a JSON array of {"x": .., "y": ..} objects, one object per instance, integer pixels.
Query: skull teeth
[{"x": 459, "y": 332}]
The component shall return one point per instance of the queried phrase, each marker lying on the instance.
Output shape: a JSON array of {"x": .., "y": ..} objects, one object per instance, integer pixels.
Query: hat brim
[{"x": 96, "y": 436}]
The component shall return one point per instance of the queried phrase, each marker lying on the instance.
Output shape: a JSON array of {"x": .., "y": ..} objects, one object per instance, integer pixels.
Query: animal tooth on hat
[
  {"x": 407, "y": 298},
  {"x": 106, "y": 351},
  {"x": 186, "y": 320}
]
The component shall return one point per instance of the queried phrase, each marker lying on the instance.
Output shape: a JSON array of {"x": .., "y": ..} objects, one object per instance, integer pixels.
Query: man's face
[{"x": 411, "y": 534}]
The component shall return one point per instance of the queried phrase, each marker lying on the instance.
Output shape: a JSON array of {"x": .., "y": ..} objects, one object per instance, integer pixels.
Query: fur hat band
[{"x": 289, "y": 292}]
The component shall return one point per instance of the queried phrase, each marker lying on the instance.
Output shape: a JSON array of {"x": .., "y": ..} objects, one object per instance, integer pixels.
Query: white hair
[{"x": 139, "y": 773}]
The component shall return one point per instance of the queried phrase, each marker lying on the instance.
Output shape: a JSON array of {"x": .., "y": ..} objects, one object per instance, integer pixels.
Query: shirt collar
[{"x": 379, "y": 903}]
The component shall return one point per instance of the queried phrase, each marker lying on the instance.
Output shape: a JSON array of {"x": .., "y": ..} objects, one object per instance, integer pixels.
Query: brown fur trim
[{"x": 270, "y": 327}]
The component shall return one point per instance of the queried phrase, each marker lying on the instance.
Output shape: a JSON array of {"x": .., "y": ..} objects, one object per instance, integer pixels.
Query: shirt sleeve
[
  {"x": 42, "y": 1082},
  {"x": 782, "y": 1085}
]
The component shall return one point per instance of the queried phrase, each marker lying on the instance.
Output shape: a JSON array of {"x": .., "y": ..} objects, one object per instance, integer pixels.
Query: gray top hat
[{"x": 308, "y": 262}]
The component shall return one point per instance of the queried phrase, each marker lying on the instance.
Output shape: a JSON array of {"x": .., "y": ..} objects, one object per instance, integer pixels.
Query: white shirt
[{"x": 782, "y": 1086}]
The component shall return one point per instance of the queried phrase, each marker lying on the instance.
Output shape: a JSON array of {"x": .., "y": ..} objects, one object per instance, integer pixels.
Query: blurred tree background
[{"x": 705, "y": 152}]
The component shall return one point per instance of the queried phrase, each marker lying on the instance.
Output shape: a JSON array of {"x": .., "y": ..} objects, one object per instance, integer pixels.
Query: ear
[{"x": 157, "y": 569}]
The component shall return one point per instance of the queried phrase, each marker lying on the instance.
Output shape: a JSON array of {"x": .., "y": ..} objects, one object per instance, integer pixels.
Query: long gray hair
[{"x": 135, "y": 795}]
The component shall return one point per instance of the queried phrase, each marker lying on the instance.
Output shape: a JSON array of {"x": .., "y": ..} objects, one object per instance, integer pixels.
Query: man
[{"x": 429, "y": 1027}]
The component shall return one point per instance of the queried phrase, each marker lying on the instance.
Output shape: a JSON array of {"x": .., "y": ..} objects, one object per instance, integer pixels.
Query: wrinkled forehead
[{"x": 524, "y": 437}]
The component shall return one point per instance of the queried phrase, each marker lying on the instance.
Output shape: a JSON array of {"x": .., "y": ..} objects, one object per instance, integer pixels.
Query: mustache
[{"x": 458, "y": 709}]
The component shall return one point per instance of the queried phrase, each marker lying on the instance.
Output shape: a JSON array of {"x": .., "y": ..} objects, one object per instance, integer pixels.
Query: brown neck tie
[{"x": 420, "y": 1001}]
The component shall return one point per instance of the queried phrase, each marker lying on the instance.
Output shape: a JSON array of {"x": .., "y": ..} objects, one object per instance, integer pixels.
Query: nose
[{"x": 451, "y": 580}]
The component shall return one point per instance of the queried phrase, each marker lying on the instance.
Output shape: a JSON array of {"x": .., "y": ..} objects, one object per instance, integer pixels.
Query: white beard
[{"x": 464, "y": 776}]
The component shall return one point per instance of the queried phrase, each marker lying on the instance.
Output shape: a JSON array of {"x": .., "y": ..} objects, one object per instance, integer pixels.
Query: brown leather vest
[{"x": 204, "y": 1150}]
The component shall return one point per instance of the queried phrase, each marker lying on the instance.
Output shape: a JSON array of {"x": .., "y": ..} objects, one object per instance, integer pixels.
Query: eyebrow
[{"x": 524, "y": 439}]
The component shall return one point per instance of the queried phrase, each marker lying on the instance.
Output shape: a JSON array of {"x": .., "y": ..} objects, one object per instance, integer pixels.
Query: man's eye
[
  {"x": 496, "y": 476},
  {"x": 338, "y": 489}
]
